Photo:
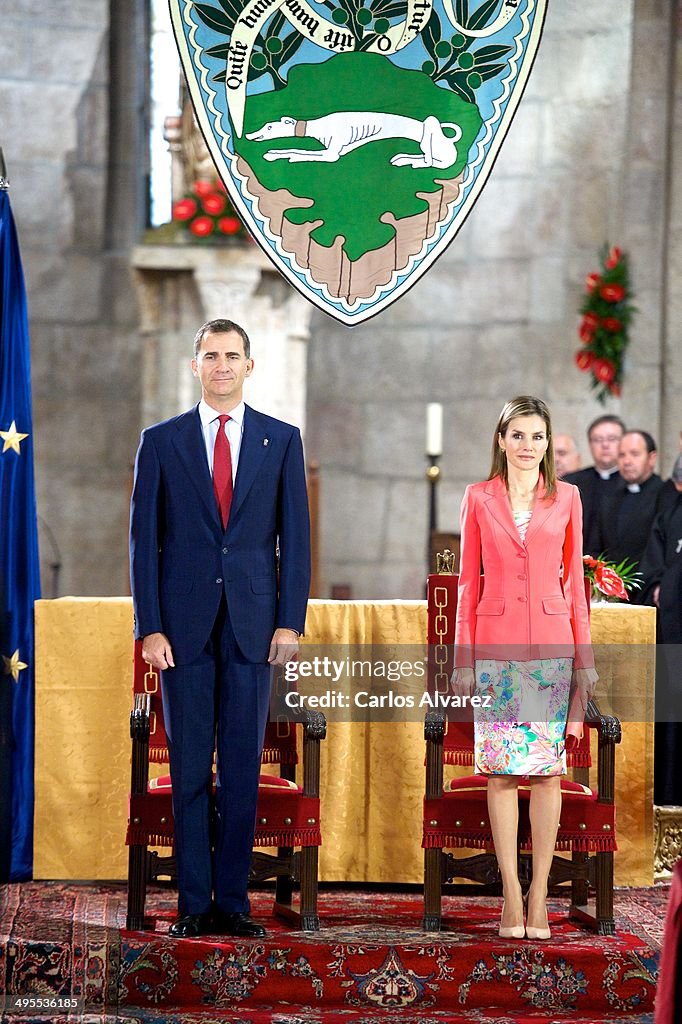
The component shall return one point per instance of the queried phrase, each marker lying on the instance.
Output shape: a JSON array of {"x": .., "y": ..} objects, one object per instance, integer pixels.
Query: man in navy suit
[{"x": 220, "y": 571}]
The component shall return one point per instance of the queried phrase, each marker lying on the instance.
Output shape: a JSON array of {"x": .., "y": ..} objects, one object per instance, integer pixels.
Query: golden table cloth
[{"x": 372, "y": 776}]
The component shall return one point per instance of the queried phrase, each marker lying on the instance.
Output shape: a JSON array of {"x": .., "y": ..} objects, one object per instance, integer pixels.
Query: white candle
[{"x": 434, "y": 428}]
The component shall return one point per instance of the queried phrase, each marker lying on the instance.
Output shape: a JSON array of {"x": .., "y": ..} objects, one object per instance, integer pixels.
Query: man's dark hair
[
  {"x": 648, "y": 439},
  {"x": 221, "y": 327},
  {"x": 608, "y": 418}
]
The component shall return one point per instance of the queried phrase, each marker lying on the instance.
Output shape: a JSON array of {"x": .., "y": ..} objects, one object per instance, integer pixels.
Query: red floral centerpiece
[
  {"x": 207, "y": 214},
  {"x": 609, "y": 581},
  {"x": 606, "y": 314}
]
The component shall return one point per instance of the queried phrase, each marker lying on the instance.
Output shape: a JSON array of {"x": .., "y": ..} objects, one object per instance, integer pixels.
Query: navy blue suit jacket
[{"x": 181, "y": 559}]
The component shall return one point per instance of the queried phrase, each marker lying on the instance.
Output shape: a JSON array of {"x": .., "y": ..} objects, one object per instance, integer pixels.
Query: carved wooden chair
[
  {"x": 456, "y": 814},
  {"x": 288, "y": 816}
]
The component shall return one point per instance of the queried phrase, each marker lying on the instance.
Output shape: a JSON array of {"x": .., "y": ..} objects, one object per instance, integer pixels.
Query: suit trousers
[{"x": 219, "y": 702}]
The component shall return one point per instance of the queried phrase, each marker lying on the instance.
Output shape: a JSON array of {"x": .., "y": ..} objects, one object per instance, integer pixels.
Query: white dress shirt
[{"x": 234, "y": 429}]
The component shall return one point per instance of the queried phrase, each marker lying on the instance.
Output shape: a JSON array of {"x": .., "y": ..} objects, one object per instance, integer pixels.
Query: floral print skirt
[{"x": 521, "y": 729}]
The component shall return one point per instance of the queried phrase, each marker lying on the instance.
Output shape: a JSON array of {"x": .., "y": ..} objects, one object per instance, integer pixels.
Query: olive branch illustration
[{"x": 450, "y": 60}]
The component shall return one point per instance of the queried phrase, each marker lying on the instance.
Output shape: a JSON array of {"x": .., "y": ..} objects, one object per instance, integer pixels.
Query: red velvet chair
[
  {"x": 288, "y": 816},
  {"x": 456, "y": 814}
]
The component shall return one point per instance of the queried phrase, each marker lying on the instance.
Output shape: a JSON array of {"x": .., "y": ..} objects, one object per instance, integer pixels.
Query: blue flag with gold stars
[{"x": 19, "y": 565}]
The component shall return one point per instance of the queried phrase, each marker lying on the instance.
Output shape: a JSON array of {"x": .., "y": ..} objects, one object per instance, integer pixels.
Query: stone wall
[
  {"x": 70, "y": 151},
  {"x": 585, "y": 161}
]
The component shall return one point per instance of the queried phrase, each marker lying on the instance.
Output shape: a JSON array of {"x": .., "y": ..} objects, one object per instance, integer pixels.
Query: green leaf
[
  {"x": 488, "y": 53},
  {"x": 432, "y": 35},
  {"x": 389, "y": 9},
  {"x": 232, "y": 9},
  {"x": 489, "y": 71},
  {"x": 254, "y": 73},
  {"x": 367, "y": 42},
  {"x": 480, "y": 18},
  {"x": 214, "y": 19},
  {"x": 462, "y": 12},
  {"x": 221, "y": 51},
  {"x": 276, "y": 25}
]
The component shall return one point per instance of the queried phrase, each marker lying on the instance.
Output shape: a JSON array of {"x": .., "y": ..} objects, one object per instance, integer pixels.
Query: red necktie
[{"x": 222, "y": 471}]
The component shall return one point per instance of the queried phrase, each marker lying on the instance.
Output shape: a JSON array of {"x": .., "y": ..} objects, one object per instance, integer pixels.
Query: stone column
[
  {"x": 644, "y": 225},
  {"x": 671, "y": 379}
]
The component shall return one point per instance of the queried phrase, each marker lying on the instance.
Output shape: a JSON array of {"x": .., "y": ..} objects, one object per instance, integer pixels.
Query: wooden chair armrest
[
  {"x": 609, "y": 733},
  {"x": 314, "y": 724},
  {"x": 608, "y": 726},
  {"x": 434, "y": 734},
  {"x": 314, "y": 730},
  {"x": 434, "y": 727}
]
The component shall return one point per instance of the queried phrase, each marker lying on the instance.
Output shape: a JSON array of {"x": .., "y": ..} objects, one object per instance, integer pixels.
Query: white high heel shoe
[
  {"x": 515, "y": 931},
  {"x": 537, "y": 933}
]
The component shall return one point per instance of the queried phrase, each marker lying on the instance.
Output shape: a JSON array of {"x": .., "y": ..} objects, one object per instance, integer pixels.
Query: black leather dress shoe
[
  {"x": 238, "y": 924},
  {"x": 189, "y": 926}
]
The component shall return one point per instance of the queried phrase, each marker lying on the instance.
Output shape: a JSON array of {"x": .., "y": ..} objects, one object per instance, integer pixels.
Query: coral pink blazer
[{"x": 530, "y": 602}]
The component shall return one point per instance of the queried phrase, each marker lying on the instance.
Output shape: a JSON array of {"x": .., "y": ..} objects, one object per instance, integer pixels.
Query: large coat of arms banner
[{"x": 354, "y": 136}]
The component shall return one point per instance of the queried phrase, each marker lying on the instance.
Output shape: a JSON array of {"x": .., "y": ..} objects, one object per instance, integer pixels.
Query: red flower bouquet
[
  {"x": 606, "y": 310},
  {"x": 609, "y": 581},
  {"x": 207, "y": 213}
]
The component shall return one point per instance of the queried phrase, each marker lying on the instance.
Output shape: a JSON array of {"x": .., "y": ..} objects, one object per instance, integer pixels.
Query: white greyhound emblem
[{"x": 342, "y": 132}]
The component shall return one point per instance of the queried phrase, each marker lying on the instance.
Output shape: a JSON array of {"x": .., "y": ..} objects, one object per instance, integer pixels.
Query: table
[{"x": 371, "y": 775}]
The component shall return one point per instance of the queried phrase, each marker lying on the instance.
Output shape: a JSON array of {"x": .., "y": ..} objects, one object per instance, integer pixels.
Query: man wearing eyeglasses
[
  {"x": 627, "y": 514},
  {"x": 597, "y": 482}
]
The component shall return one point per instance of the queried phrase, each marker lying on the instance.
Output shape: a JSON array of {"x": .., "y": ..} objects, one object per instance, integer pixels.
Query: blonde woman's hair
[{"x": 524, "y": 405}]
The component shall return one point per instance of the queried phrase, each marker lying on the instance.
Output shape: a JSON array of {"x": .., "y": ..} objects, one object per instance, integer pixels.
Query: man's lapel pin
[{"x": 266, "y": 442}]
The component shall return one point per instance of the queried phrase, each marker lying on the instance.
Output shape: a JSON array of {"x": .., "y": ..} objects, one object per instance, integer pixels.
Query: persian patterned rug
[
  {"x": 60, "y": 939},
  {"x": 370, "y": 961}
]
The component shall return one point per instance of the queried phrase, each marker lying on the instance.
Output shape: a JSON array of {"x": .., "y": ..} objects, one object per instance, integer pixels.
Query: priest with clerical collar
[
  {"x": 596, "y": 482},
  {"x": 628, "y": 513}
]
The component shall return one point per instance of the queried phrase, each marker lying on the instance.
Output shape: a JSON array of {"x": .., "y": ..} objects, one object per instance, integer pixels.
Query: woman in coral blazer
[{"x": 522, "y": 639}]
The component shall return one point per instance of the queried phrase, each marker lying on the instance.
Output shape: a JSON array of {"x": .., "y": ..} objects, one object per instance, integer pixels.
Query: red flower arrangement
[
  {"x": 606, "y": 314},
  {"x": 611, "y": 581},
  {"x": 207, "y": 213}
]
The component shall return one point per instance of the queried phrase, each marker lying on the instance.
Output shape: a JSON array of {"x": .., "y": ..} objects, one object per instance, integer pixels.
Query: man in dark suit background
[
  {"x": 596, "y": 482},
  {"x": 661, "y": 563},
  {"x": 220, "y": 571},
  {"x": 628, "y": 513},
  {"x": 662, "y": 569}
]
